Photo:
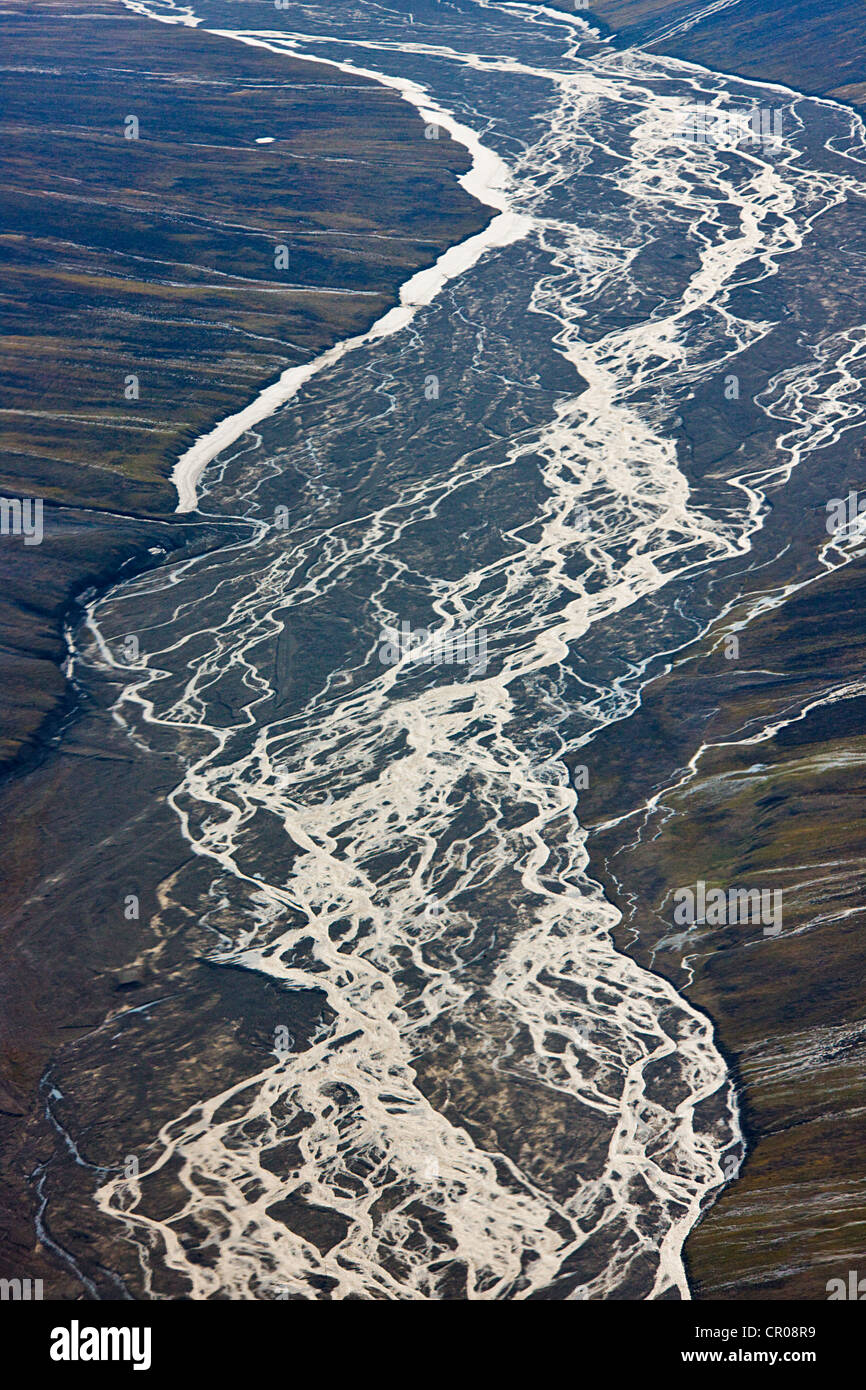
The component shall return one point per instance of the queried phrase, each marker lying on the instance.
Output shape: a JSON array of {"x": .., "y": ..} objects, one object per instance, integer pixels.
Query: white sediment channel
[{"x": 368, "y": 766}]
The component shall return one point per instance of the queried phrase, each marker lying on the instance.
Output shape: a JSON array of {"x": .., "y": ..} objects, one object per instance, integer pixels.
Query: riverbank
[
  {"x": 819, "y": 50},
  {"x": 786, "y": 814}
]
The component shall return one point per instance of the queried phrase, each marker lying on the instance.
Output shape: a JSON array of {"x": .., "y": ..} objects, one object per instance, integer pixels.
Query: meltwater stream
[{"x": 493, "y": 1101}]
